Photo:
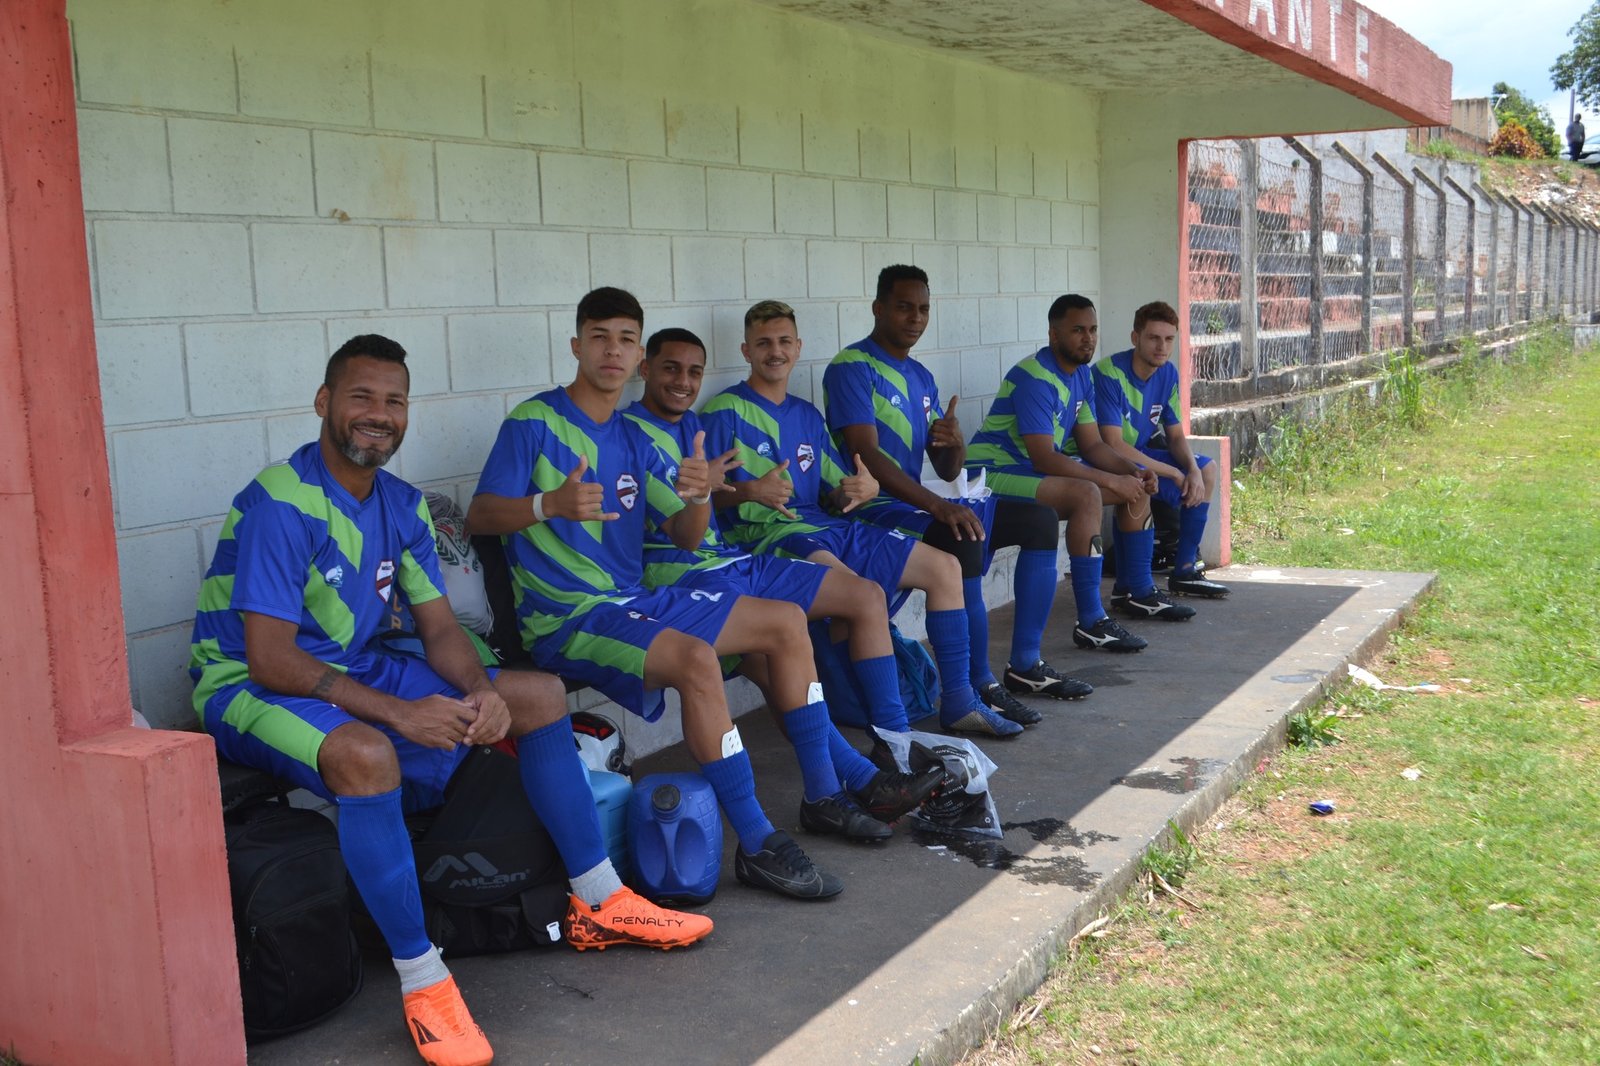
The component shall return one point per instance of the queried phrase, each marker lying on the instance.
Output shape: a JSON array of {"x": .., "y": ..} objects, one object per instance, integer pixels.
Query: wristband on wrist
[
  {"x": 538, "y": 507},
  {"x": 700, "y": 500}
]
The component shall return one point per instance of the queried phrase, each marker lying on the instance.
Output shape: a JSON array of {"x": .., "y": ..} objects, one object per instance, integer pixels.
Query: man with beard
[
  {"x": 1041, "y": 442},
  {"x": 1141, "y": 418},
  {"x": 308, "y": 564}
]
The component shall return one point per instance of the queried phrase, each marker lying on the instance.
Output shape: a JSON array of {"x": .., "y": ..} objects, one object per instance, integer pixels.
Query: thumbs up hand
[
  {"x": 577, "y": 499},
  {"x": 694, "y": 473},
  {"x": 946, "y": 432}
]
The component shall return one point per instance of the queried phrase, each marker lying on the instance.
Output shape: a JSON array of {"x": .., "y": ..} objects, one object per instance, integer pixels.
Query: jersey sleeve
[
  {"x": 419, "y": 575},
  {"x": 1172, "y": 411},
  {"x": 274, "y": 552},
  {"x": 1109, "y": 403},
  {"x": 1034, "y": 403},
  {"x": 509, "y": 469},
  {"x": 849, "y": 394}
]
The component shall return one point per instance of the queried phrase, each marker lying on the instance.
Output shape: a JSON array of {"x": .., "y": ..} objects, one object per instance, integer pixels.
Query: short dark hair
[
  {"x": 1070, "y": 302},
  {"x": 608, "y": 302},
  {"x": 890, "y": 276},
  {"x": 671, "y": 335},
  {"x": 369, "y": 345},
  {"x": 769, "y": 311},
  {"x": 1155, "y": 311}
]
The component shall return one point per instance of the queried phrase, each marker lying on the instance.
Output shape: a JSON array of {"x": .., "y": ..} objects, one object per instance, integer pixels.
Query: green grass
[{"x": 1452, "y": 918}]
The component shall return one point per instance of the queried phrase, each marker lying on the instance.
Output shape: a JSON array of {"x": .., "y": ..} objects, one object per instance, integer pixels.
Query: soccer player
[
  {"x": 310, "y": 561},
  {"x": 1141, "y": 417},
  {"x": 883, "y": 405},
  {"x": 673, "y": 368},
  {"x": 572, "y": 485},
  {"x": 790, "y": 477}
]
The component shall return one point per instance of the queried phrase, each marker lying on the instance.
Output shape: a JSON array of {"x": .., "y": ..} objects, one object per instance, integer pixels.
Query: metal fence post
[
  {"x": 1408, "y": 270},
  {"x": 1549, "y": 252},
  {"x": 1441, "y": 223},
  {"x": 1368, "y": 267},
  {"x": 1314, "y": 245},
  {"x": 1494, "y": 253},
  {"x": 1249, "y": 310},
  {"x": 1472, "y": 249}
]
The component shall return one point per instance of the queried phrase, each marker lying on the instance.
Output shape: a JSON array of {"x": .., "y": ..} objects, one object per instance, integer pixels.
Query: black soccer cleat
[
  {"x": 1107, "y": 635},
  {"x": 1042, "y": 679},
  {"x": 780, "y": 866},
  {"x": 1008, "y": 706},
  {"x": 841, "y": 816},
  {"x": 1193, "y": 582},
  {"x": 1151, "y": 605},
  {"x": 893, "y": 793},
  {"x": 979, "y": 720}
]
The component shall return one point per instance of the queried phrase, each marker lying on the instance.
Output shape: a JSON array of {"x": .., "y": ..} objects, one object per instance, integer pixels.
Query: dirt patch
[{"x": 1562, "y": 185}]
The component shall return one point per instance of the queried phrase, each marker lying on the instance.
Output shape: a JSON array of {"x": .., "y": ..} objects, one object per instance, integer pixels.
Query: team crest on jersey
[
  {"x": 385, "y": 579},
  {"x": 764, "y": 448},
  {"x": 672, "y": 473},
  {"x": 334, "y": 577},
  {"x": 927, "y": 407},
  {"x": 807, "y": 456},
  {"x": 1155, "y": 411},
  {"x": 895, "y": 401},
  {"x": 627, "y": 490}
]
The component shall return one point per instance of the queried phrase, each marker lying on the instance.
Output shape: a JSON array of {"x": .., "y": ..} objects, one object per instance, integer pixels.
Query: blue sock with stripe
[
  {"x": 377, "y": 852},
  {"x": 558, "y": 790},
  {"x": 1138, "y": 548},
  {"x": 1191, "y": 527},
  {"x": 1086, "y": 573},
  {"x": 1035, "y": 587},
  {"x": 880, "y": 682},
  {"x": 807, "y": 729},
  {"x": 978, "y": 671},
  {"x": 947, "y": 632},
  {"x": 855, "y": 770},
  {"x": 735, "y": 785}
]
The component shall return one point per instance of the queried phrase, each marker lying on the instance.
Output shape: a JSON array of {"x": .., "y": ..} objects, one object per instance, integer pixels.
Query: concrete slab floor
[{"x": 934, "y": 938}]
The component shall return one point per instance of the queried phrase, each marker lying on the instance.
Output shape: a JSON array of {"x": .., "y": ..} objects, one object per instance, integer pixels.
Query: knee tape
[{"x": 731, "y": 743}]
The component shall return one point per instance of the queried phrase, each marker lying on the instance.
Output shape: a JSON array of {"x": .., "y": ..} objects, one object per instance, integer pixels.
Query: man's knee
[
  {"x": 534, "y": 698},
  {"x": 358, "y": 760}
]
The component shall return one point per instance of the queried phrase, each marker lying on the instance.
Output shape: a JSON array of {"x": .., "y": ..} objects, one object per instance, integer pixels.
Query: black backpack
[
  {"x": 490, "y": 875},
  {"x": 298, "y": 959}
]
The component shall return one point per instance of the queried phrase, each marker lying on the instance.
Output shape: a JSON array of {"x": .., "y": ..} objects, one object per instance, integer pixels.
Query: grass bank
[{"x": 1446, "y": 910}]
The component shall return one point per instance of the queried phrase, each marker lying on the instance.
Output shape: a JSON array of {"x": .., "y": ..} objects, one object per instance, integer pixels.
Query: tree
[
  {"x": 1579, "y": 67},
  {"x": 1514, "y": 106}
]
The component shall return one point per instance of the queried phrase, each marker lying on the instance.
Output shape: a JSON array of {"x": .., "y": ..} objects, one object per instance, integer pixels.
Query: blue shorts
[
  {"x": 1170, "y": 492},
  {"x": 604, "y": 646},
  {"x": 873, "y": 552},
  {"x": 282, "y": 734},
  {"x": 767, "y": 576},
  {"x": 889, "y": 513}
]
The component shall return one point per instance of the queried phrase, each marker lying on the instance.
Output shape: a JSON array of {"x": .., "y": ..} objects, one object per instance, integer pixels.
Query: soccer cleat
[
  {"x": 443, "y": 1030},
  {"x": 780, "y": 866},
  {"x": 1107, "y": 635},
  {"x": 628, "y": 918},
  {"x": 893, "y": 793},
  {"x": 840, "y": 816},
  {"x": 1042, "y": 679},
  {"x": 1008, "y": 706},
  {"x": 1151, "y": 605},
  {"x": 979, "y": 720},
  {"x": 1193, "y": 582}
]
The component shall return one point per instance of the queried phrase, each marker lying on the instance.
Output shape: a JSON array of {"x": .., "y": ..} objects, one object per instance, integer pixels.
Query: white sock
[
  {"x": 595, "y": 885},
  {"x": 418, "y": 973}
]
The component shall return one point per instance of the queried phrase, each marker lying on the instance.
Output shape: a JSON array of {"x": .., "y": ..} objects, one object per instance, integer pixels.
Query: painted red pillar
[{"x": 114, "y": 913}]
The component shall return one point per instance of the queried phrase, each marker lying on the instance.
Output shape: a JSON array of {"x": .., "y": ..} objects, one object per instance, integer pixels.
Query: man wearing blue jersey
[
  {"x": 673, "y": 368},
  {"x": 573, "y": 486},
  {"x": 883, "y": 405},
  {"x": 1141, "y": 418},
  {"x": 1041, "y": 441},
  {"x": 310, "y": 562}
]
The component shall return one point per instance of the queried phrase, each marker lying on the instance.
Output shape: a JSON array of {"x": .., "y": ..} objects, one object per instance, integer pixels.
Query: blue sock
[
  {"x": 947, "y": 632},
  {"x": 1191, "y": 527},
  {"x": 1119, "y": 553},
  {"x": 735, "y": 786},
  {"x": 1035, "y": 586},
  {"x": 978, "y": 672},
  {"x": 558, "y": 789},
  {"x": 880, "y": 681},
  {"x": 855, "y": 770},
  {"x": 1086, "y": 570},
  {"x": 377, "y": 852},
  {"x": 807, "y": 728},
  {"x": 1138, "y": 548}
]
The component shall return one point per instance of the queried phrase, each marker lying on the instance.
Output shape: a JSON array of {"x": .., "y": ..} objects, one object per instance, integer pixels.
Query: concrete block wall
[{"x": 264, "y": 179}]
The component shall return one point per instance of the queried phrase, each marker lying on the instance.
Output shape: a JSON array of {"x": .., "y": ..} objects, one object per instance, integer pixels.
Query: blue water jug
[
  {"x": 611, "y": 795},
  {"x": 675, "y": 830}
]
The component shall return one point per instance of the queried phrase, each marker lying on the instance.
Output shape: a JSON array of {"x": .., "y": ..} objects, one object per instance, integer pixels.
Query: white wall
[{"x": 265, "y": 178}]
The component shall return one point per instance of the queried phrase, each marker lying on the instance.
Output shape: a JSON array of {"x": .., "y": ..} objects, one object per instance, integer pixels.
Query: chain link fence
[{"x": 1328, "y": 257}]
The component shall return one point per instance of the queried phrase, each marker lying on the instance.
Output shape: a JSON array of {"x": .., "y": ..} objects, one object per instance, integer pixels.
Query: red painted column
[{"x": 114, "y": 907}]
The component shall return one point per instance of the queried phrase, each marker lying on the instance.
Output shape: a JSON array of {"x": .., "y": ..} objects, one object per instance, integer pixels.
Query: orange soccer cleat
[
  {"x": 443, "y": 1029},
  {"x": 628, "y": 918}
]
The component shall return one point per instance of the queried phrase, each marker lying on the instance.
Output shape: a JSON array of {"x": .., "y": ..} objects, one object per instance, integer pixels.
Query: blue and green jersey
[
  {"x": 1037, "y": 397},
  {"x": 866, "y": 386},
  {"x": 664, "y": 561},
  {"x": 560, "y": 567},
  {"x": 766, "y": 434},
  {"x": 1144, "y": 408},
  {"x": 298, "y": 547}
]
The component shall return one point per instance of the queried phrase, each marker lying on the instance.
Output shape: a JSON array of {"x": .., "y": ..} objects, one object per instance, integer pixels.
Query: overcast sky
[{"x": 1513, "y": 41}]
